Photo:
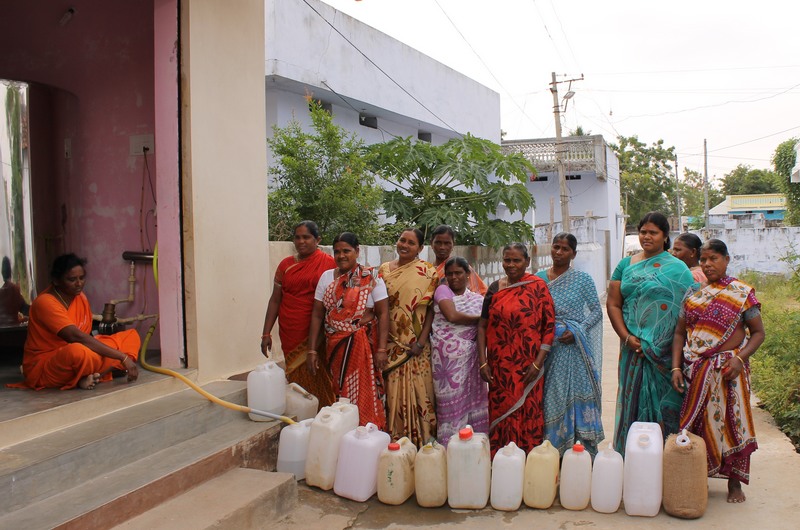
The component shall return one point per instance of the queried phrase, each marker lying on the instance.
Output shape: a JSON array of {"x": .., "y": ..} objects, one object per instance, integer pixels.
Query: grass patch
[{"x": 776, "y": 364}]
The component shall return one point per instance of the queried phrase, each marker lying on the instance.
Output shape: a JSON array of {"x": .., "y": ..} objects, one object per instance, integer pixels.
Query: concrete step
[
  {"x": 119, "y": 494},
  {"x": 240, "y": 499},
  {"x": 40, "y": 468},
  {"x": 28, "y": 414}
]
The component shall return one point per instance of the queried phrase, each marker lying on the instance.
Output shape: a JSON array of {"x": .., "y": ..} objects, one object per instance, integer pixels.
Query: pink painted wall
[
  {"x": 165, "y": 28},
  {"x": 97, "y": 88}
]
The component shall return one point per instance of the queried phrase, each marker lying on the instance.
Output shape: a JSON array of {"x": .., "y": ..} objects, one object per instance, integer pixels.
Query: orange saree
[{"x": 51, "y": 362}]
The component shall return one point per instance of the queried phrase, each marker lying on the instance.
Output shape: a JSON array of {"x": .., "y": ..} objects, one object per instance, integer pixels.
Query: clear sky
[{"x": 681, "y": 71}]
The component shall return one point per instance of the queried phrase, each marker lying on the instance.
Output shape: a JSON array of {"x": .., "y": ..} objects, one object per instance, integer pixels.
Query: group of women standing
[
  {"x": 424, "y": 349},
  {"x": 687, "y": 330},
  {"x": 423, "y": 353}
]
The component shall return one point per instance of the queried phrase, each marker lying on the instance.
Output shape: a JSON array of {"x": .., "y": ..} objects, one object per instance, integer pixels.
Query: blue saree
[
  {"x": 572, "y": 390},
  {"x": 652, "y": 293}
]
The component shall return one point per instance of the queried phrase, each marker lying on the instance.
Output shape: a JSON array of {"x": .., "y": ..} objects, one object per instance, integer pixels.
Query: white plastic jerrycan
[
  {"x": 469, "y": 470},
  {"x": 327, "y": 431},
  {"x": 576, "y": 478},
  {"x": 644, "y": 451},
  {"x": 357, "y": 468},
  {"x": 396, "y": 472},
  {"x": 293, "y": 448},
  {"x": 541, "y": 476},
  {"x": 430, "y": 475},
  {"x": 266, "y": 390},
  {"x": 300, "y": 403},
  {"x": 508, "y": 476},
  {"x": 607, "y": 478}
]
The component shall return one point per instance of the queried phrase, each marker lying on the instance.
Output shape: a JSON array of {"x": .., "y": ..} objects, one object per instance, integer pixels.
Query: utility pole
[
  {"x": 678, "y": 194},
  {"x": 705, "y": 184},
  {"x": 562, "y": 178}
]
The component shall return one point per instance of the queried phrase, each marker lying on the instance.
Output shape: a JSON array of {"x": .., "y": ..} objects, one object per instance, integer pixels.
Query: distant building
[
  {"x": 592, "y": 173},
  {"x": 770, "y": 206}
]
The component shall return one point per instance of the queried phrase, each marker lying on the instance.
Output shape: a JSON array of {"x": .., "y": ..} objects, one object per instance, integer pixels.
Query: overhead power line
[
  {"x": 486, "y": 66},
  {"x": 381, "y": 70}
]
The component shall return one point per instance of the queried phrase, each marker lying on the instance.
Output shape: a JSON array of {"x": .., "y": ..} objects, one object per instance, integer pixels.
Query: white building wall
[
  {"x": 304, "y": 52},
  {"x": 757, "y": 249}
]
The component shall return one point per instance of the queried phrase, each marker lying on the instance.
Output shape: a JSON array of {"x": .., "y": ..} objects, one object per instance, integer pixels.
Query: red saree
[
  {"x": 521, "y": 318},
  {"x": 298, "y": 279},
  {"x": 351, "y": 343}
]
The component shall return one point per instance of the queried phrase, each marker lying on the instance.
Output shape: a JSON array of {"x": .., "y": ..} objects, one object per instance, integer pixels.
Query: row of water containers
[{"x": 332, "y": 451}]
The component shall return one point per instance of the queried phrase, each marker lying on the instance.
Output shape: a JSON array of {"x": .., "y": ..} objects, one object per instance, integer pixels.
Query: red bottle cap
[
  {"x": 465, "y": 433},
  {"x": 394, "y": 446},
  {"x": 578, "y": 448}
]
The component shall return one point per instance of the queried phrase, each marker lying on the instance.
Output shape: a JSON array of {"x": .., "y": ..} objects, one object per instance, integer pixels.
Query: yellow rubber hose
[{"x": 192, "y": 385}]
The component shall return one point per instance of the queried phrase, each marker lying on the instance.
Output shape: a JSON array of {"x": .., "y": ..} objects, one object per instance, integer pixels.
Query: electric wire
[
  {"x": 713, "y": 105},
  {"x": 486, "y": 66},
  {"x": 381, "y": 70}
]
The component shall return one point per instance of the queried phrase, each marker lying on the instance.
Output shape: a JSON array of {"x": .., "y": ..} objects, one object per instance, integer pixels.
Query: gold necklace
[{"x": 66, "y": 305}]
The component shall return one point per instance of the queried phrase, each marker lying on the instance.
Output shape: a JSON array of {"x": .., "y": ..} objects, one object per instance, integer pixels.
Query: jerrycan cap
[
  {"x": 394, "y": 446},
  {"x": 683, "y": 439},
  {"x": 644, "y": 440},
  {"x": 465, "y": 433},
  {"x": 578, "y": 448}
]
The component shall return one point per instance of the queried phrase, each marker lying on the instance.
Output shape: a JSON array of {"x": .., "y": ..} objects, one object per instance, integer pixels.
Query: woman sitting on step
[{"x": 60, "y": 351}]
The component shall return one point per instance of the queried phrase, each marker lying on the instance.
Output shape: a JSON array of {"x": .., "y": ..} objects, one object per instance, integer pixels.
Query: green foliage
[
  {"x": 784, "y": 160},
  {"x": 580, "y": 132},
  {"x": 647, "y": 177},
  {"x": 461, "y": 183},
  {"x": 321, "y": 176},
  {"x": 745, "y": 180},
  {"x": 776, "y": 364},
  {"x": 693, "y": 198}
]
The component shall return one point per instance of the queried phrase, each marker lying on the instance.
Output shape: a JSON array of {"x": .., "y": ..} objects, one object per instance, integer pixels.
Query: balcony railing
[{"x": 579, "y": 153}]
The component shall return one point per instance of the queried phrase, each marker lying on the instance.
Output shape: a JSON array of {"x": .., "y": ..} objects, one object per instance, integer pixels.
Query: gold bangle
[
  {"x": 675, "y": 369},
  {"x": 311, "y": 351},
  {"x": 534, "y": 365},
  {"x": 124, "y": 358},
  {"x": 266, "y": 336},
  {"x": 483, "y": 365},
  {"x": 740, "y": 359},
  {"x": 627, "y": 338}
]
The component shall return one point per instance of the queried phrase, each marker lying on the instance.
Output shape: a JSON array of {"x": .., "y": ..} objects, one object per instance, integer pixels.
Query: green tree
[
  {"x": 784, "y": 160},
  {"x": 580, "y": 132},
  {"x": 744, "y": 180},
  {"x": 321, "y": 176},
  {"x": 461, "y": 183},
  {"x": 693, "y": 197},
  {"x": 647, "y": 178}
]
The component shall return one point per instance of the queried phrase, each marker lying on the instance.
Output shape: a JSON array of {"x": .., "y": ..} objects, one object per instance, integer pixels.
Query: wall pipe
[{"x": 131, "y": 287}]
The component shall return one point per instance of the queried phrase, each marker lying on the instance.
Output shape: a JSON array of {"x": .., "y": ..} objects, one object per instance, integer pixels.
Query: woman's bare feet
[
  {"x": 735, "y": 493},
  {"x": 88, "y": 382}
]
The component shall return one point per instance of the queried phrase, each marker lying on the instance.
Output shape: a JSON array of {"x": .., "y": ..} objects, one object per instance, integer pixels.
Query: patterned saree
[
  {"x": 652, "y": 292},
  {"x": 520, "y": 319},
  {"x": 572, "y": 389},
  {"x": 409, "y": 381},
  {"x": 713, "y": 408},
  {"x": 351, "y": 342}
]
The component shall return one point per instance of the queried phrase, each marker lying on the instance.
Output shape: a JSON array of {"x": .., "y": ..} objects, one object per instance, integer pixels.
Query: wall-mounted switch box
[{"x": 140, "y": 143}]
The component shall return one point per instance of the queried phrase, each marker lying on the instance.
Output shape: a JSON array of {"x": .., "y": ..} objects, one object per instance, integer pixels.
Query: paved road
[{"x": 773, "y": 497}]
